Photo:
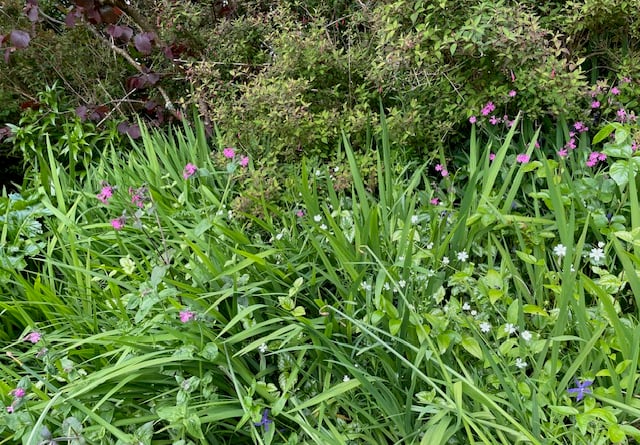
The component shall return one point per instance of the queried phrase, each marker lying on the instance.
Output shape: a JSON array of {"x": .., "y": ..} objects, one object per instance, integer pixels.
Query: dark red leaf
[
  {"x": 87, "y": 4},
  {"x": 30, "y": 104},
  {"x": 93, "y": 15},
  {"x": 82, "y": 112},
  {"x": 144, "y": 42},
  {"x": 31, "y": 11},
  {"x": 4, "y": 132},
  {"x": 70, "y": 19},
  {"x": 134, "y": 131},
  {"x": 19, "y": 39},
  {"x": 120, "y": 32},
  {"x": 109, "y": 14},
  {"x": 123, "y": 127}
]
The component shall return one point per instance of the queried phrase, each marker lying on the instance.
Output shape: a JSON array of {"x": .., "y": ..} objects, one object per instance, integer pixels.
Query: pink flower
[
  {"x": 473, "y": 120},
  {"x": 189, "y": 170},
  {"x": 439, "y": 167},
  {"x": 300, "y": 213},
  {"x": 615, "y": 91},
  {"x": 602, "y": 157},
  {"x": 33, "y": 337},
  {"x": 492, "y": 156},
  {"x": 571, "y": 144},
  {"x": 487, "y": 109},
  {"x": 591, "y": 163},
  {"x": 512, "y": 93},
  {"x": 244, "y": 161},
  {"x": 105, "y": 193},
  {"x": 622, "y": 115},
  {"x": 537, "y": 144},
  {"x": 522, "y": 158},
  {"x": 229, "y": 153},
  {"x": 10, "y": 408},
  {"x": 138, "y": 196},
  {"x": 444, "y": 172},
  {"x": 118, "y": 223},
  {"x": 580, "y": 127},
  {"x": 435, "y": 201},
  {"x": 563, "y": 153},
  {"x": 494, "y": 120},
  {"x": 595, "y": 104},
  {"x": 187, "y": 316},
  {"x": 18, "y": 393}
]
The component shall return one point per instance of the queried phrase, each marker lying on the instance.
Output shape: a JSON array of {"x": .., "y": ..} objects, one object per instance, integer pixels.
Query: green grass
[{"x": 371, "y": 317}]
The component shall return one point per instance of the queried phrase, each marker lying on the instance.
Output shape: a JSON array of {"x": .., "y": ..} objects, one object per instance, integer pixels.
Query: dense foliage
[{"x": 284, "y": 79}]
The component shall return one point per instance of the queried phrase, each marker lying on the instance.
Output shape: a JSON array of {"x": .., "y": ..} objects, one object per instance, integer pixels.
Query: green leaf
[
  {"x": 470, "y": 344},
  {"x": 564, "y": 410},
  {"x": 210, "y": 351},
  {"x": 619, "y": 172}
]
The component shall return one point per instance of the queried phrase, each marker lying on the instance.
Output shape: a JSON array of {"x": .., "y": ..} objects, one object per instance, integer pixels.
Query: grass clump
[{"x": 473, "y": 300}]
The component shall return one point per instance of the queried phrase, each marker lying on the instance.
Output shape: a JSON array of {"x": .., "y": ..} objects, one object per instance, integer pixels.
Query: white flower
[
  {"x": 345, "y": 378},
  {"x": 317, "y": 218},
  {"x": 279, "y": 236},
  {"x": 128, "y": 266},
  {"x": 445, "y": 260},
  {"x": 600, "y": 244},
  {"x": 485, "y": 326},
  {"x": 386, "y": 286},
  {"x": 402, "y": 283},
  {"x": 466, "y": 306},
  {"x": 560, "y": 250},
  {"x": 526, "y": 335},
  {"x": 323, "y": 226},
  {"x": 414, "y": 219},
  {"x": 366, "y": 286},
  {"x": 520, "y": 364},
  {"x": 473, "y": 313},
  {"x": 509, "y": 328},
  {"x": 463, "y": 256},
  {"x": 263, "y": 348},
  {"x": 429, "y": 246},
  {"x": 596, "y": 254}
]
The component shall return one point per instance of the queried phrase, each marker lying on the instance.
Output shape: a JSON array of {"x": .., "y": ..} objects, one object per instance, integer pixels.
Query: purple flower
[
  {"x": 265, "y": 421},
  {"x": 187, "y": 316},
  {"x": 473, "y": 119},
  {"x": 189, "y": 170},
  {"x": 581, "y": 389},
  {"x": 595, "y": 104},
  {"x": 105, "y": 193},
  {"x": 512, "y": 93},
  {"x": 488, "y": 108},
  {"x": 229, "y": 153},
  {"x": 33, "y": 337},
  {"x": 118, "y": 223},
  {"x": 18, "y": 393},
  {"x": 492, "y": 156},
  {"x": 494, "y": 120},
  {"x": 244, "y": 161},
  {"x": 522, "y": 158},
  {"x": 615, "y": 91},
  {"x": 300, "y": 213}
]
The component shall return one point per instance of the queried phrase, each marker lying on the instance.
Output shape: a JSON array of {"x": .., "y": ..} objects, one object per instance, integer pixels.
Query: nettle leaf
[{"x": 19, "y": 39}]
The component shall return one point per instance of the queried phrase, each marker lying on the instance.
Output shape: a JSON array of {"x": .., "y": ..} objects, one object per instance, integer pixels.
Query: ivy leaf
[{"x": 19, "y": 39}]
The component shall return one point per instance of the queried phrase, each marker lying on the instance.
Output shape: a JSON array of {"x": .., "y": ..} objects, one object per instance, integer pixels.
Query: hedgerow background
[{"x": 285, "y": 78}]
